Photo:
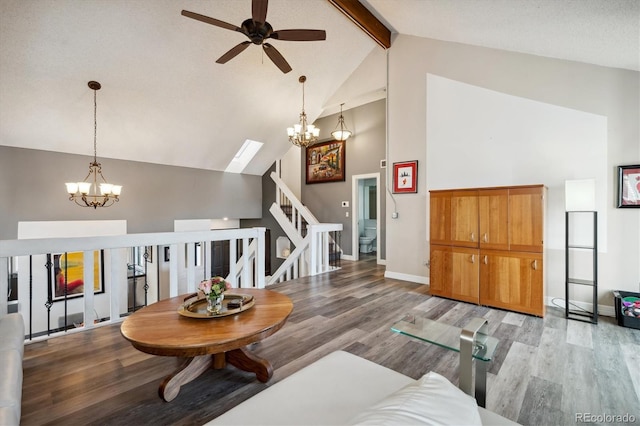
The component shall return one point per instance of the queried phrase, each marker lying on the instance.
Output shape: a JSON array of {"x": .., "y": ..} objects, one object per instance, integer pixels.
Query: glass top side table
[{"x": 472, "y": 342}]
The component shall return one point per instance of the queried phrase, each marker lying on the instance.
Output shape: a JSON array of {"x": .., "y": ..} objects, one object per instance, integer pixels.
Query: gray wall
[
  {"x": 364, "y": 150},
  {"x": 153, "y": 196}
]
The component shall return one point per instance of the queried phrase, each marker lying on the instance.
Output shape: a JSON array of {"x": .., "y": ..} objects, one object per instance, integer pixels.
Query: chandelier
[
  {"x": 85, "y": 193},
  {"x": 303, "y": 134},
  {"x": 341, "y": 133}
]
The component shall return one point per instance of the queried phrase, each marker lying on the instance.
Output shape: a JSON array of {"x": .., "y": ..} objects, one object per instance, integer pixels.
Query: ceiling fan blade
[
  {"x": 233, "y": 52},
  {"x": 276, "y": 57},
  {"x": 212, "y": 21},
  {"x": 259, "y": 10},
  {"x": 299, "y": 35}
]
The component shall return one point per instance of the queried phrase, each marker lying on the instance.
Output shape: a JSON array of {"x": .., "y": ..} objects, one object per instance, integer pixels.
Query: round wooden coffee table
[{"x": 159, "y": 329}]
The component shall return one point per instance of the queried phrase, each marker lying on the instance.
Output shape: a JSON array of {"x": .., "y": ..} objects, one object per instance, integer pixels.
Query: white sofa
[
  {"x": 342, "y": 389},
  {"x": 11, "y": 354}
]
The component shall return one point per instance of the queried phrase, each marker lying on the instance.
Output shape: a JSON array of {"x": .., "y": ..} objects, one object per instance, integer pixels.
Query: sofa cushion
[
  {"x": 11, "y": 383},
  {"x": 327, "y": 392},
  {"x": 432, "y": 400},
  {"x": 12, "y": 332},
  {"x": 8, "y": 416}
]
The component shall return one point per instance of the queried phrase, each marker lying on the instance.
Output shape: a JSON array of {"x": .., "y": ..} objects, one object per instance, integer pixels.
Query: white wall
[
  {"x": 594, "y": 96},
  {"x": 290, "y": 167}
]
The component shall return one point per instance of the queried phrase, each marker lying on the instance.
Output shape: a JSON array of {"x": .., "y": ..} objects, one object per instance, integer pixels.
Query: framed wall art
[
  {"x": 68, "y": 270},
  {"x": 405, "y": 177},
  {"x": 325, "y": 162},
  {"x": 629, "y": 186}
]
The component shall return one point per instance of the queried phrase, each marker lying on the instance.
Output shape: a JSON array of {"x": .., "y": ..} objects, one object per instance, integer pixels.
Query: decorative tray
[{"x": 195, "y": 306}]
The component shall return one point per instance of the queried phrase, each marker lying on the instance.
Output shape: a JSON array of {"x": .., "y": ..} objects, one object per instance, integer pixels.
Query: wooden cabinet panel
[
  {"x": 440, "y": 218},
  {"x": 465, "y": 276},
  {"x": 512, "y": 280},
  {"x": 464, "y": 218},
  {"x": 493, "y": 210},
  {"x": 526, "y": 217},
  {"x": 440, "y": 275}
]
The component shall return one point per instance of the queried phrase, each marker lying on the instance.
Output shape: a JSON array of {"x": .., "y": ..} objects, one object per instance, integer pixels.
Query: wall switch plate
[
  {"x": 383, "y": 164},
  {"x": 346, "y": 214},
  {"x": 345, "y": 204}
]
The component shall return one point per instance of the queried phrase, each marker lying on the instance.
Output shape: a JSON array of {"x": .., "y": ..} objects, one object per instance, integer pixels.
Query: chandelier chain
[{"x": 95, "y": 127}]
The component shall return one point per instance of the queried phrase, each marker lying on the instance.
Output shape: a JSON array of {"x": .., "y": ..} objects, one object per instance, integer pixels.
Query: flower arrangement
[{"x": 214, "y": 287}]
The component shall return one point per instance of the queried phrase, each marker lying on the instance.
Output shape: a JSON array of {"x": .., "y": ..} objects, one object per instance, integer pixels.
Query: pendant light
[
  {"x": 341, "y": 133},
  {"x": 85, "y": 193}
]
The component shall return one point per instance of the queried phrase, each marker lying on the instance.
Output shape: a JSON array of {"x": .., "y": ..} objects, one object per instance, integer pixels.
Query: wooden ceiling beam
[{"x": 364, "y": 19}]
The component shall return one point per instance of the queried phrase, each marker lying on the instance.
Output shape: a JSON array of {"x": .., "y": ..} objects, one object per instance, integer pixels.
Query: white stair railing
[
  {"x": 315, "y": 247},
  {"x": 29, "y": 258}
]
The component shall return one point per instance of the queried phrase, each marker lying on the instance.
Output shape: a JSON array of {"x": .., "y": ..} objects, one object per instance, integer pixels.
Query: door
[
  {"x": 440, "y": 271},
  {"x": 465, "y": 277},
  {"x": 220, "y": 258},
  {"x": 526, "y": 223},
  {"x": 464, "y": 218},
  {"x": 440, "y": 217},
  {"x": 512, "y": 281},
  {"x": 493, "y": 209}
]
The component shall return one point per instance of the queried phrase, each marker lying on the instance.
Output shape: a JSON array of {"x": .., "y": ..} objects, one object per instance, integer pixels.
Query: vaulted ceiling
[{"x": 165, "y": 100}]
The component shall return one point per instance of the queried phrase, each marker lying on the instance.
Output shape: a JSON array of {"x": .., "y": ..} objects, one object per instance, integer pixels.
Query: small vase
[{"x": 214, "y": 304}]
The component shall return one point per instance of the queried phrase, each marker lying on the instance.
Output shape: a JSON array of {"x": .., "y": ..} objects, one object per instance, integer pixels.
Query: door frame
[{"x": 355, "y": 242}]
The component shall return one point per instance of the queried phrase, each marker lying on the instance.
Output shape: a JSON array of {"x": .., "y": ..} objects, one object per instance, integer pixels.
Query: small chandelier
[
  {"x": 85, "y": 193},
  {"x": 341, "y": 133},
  {"x": 303, "y": 134}
]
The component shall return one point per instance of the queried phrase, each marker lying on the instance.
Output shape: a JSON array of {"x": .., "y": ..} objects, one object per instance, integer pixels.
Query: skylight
[{"x": 245, "y": 154}]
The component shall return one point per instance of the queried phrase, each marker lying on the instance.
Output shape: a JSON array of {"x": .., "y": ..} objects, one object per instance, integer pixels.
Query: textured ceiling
[
  {"x": 165, "y": 100},
  {"x": 601, "y": 32}
]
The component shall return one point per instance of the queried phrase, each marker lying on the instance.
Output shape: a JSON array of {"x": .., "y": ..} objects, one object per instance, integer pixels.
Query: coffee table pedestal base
[{"x": 191, "y": 368}]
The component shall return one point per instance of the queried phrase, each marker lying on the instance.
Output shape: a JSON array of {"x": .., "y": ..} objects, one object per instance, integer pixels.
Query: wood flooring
[{"x": 545, "y": 372}]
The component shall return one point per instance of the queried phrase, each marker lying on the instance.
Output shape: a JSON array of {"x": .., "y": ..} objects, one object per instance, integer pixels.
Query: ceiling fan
[{"x": 257, "y": 29}]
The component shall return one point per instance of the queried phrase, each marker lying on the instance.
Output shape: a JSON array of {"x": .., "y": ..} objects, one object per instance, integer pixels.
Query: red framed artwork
[{"x": 405, "y": 177}]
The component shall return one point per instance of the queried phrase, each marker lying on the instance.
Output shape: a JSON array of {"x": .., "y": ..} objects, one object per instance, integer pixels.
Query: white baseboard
[
  {"x": 352, "y": 258},
  {"x": 406, "y": 277},
  {"x": 604, "y": 310}
]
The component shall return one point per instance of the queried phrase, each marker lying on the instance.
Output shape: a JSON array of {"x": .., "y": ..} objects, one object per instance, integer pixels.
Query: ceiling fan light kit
[
  {"x": 303, "y": 134},
  {"x": 257, "y": 30},
  {"x": 341, "y": 133},
  {"x": 85, "y": 193}
]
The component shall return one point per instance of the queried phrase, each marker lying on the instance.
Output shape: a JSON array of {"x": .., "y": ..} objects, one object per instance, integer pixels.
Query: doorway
[{"x": 365, "y": 214}]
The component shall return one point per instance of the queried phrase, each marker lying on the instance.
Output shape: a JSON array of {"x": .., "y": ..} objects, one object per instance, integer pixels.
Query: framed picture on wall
[
  {"x": 325, "y": 162},
  {"x": 405, "y": 177},
  {"x": 67, "y": 270},
  {"x": 629, "y": 186}
]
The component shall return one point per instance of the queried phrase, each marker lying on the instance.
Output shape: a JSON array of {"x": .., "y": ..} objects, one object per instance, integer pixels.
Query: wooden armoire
[{"x": 487, "y": 246}]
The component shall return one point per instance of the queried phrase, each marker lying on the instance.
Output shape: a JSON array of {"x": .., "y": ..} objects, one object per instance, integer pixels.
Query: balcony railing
[{"x": 37, "y": 274}]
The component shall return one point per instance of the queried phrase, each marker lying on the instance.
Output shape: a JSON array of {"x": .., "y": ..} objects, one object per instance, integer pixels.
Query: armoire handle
[
  {"x": 484, "y": 237},
  {"x": 534, "y": 265}
]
